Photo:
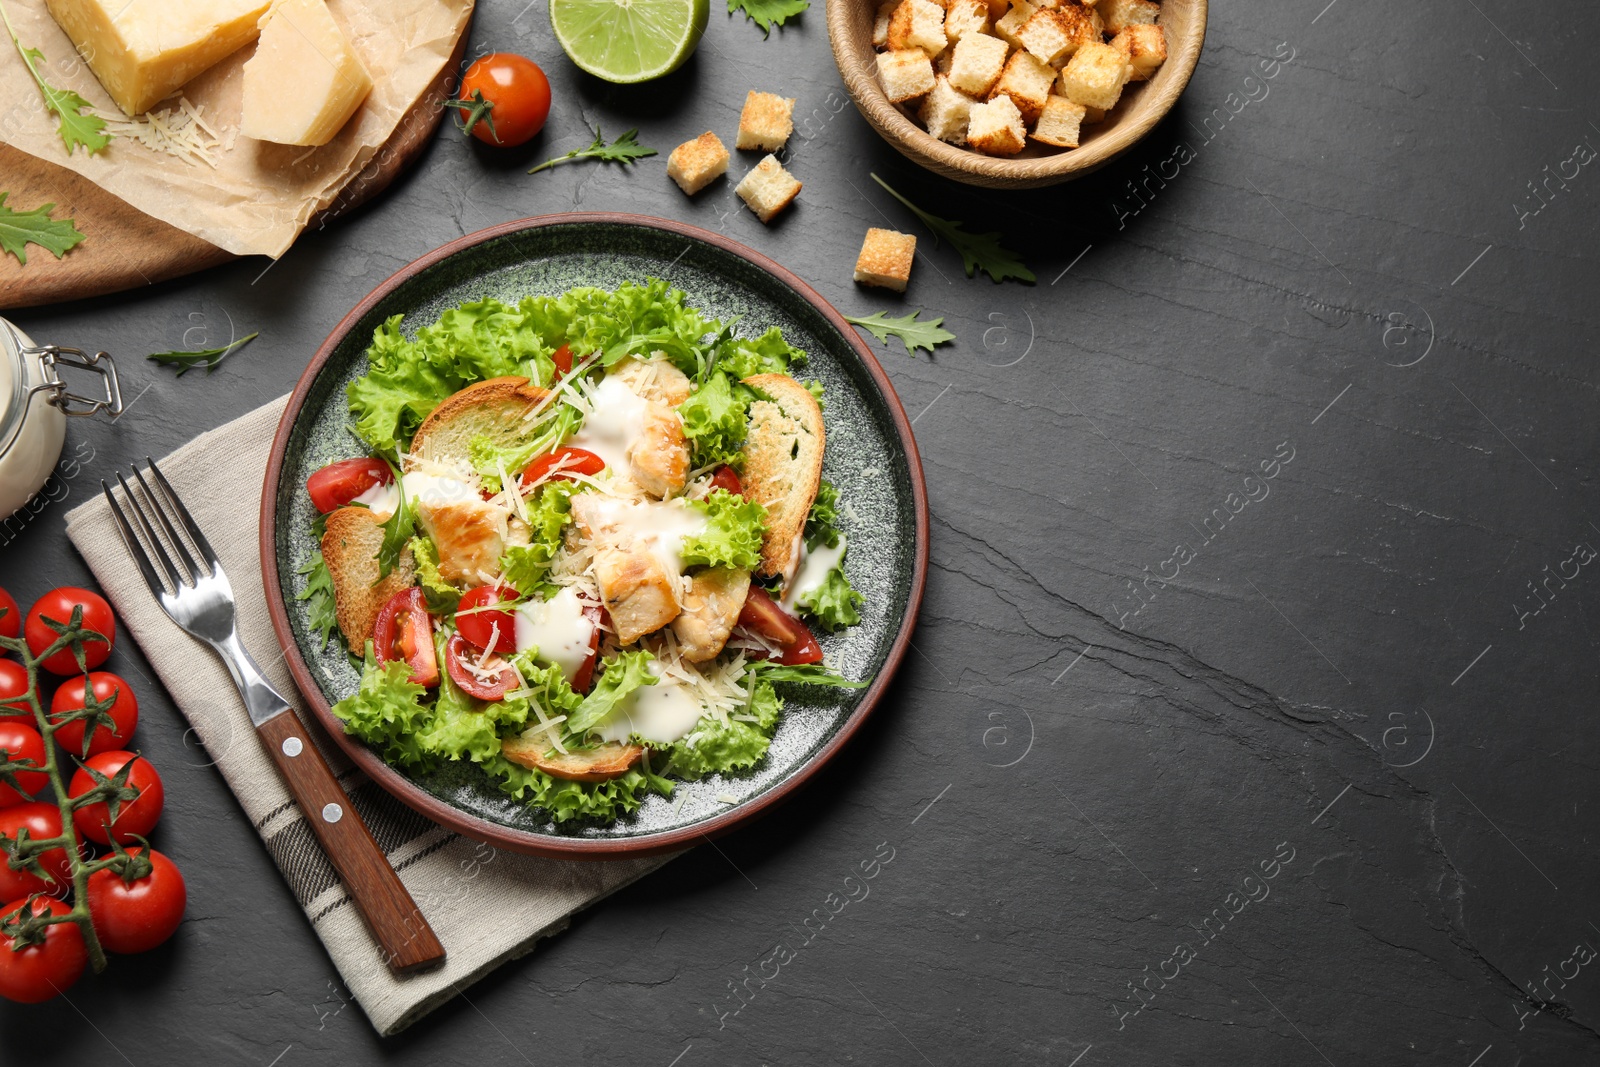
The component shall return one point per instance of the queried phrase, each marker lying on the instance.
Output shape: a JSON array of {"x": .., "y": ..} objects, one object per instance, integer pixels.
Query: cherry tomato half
[
  {"x": 57, "y": 604},
  {"x": 136, "y": 816},
  {"x": 124, "y": 712},
  {"x": 35, "y": 973},
  {"x": 11, "y": 620},
  {"x": 570, "y": 461},
  {"x": 481, "y": 623},
  {"x": 763, "y": 615},
  {"x": 340, "y": 482},
  {"x": 461, "y": 660},
  {"x": 518, "y": 95},
  {"x": 42, "y": 821},
  {"x": 140, "y": 916},
  {"x": 405, "y": 632},
  {"x": 562, "y": 357},
  {"x": 22, "y": 742},
  {"x": 727, "y": 478},
  {"x": 13, "y": 690}
]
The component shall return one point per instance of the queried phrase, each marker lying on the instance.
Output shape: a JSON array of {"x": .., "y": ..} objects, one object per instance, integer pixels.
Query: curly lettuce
[
  {"x": 526, "y": 568},
  {"x": 715, "y": 747},
  {"x": 442, "y": 597},
  {"x": 834, "y": 604},
  {"x": 715, "y": 420},
  {"x": 734, "y": 529},
  {"x": 387, "y": 713},
  {"x": 741, "y": 357},
  {"x": 627, "y": 672}
]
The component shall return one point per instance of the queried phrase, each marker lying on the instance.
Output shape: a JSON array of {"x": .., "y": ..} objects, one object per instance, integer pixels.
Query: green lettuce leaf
[
  {"x": 632, "y": 320},
  {"x": 714, "y": 747},
  {"x": 443, "y": 598},
  {"x": 715, "y": 420},
  {"x": 822, "y": 522},
  {"x": 565, "y": 801},
  {"x": 387, "y": 713},
  {"x": 526, "y": 568},
  {"x": 547, "y": 686},
  {"x": 733, "y": 536},
  {"x": 627, "y": 672},
  {"x": 834, "y": 603},
  {"x": 741, "y": 357},
  {"x": 319, "y": 591}
]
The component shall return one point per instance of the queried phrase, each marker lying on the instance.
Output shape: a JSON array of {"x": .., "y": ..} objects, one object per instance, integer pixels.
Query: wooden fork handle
[{"x": 403, "y": 934}]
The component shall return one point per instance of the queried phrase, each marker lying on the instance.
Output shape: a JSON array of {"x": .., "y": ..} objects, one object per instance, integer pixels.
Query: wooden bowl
[{"x": 1143, "y": 104}]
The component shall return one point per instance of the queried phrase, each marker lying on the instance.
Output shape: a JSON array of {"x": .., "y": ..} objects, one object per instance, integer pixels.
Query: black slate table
[{"x": 1251, "y": 719}]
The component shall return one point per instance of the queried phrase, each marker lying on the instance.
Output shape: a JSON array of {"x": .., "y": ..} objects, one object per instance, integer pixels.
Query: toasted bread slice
[
  {"x": 783, "y": 464},
  {"x": 611, "y": 760},
  {"x": 350, "y": 547},
  {"x": 710, "y": 608},
  {"x": 498, "y": 409}
]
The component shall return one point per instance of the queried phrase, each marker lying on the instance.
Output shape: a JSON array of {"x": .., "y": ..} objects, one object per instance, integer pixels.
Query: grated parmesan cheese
[{"x": 180, "y": 131}]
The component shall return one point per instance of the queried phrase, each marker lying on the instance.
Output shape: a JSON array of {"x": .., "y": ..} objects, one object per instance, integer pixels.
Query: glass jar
[{"x": 34, "y": 405}]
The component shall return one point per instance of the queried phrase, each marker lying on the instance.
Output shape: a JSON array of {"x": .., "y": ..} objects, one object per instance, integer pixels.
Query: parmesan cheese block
[
  {"x": 305, "y": 81},
  {"x": 144, "y": 50}
]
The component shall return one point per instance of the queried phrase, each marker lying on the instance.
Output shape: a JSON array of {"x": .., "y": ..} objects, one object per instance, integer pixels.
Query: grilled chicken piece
[
  {"x": 470, "y": 537},
  {"x": 636, "y": 588},
  {"x": 710, "y": 609},
  {"x": 611, "y": 760},
  {"x": 659, "y": 456},
  {"x": 654, "y": 379}
]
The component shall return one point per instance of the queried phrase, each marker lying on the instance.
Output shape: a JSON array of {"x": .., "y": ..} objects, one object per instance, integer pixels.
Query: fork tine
[
  {"x": 161, "y": 514},
  {"x": 135, "y": 549},
  {"x": 184, "y": 517},
  {"x": 167, "y": 567}
]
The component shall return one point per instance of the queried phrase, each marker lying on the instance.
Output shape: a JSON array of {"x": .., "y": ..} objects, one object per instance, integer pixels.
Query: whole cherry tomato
[
  {"x": 491, "y": 681},
  {"x": 42, "y": 821},
  {"x": 35, "y": 973},
  {"x": 11, "y": 619},
  {"x": 22, "y": 742},
  {"x": 124, "y": 712},
  {"x": 340, "y": 482},
  {"x": 764, "y": 616},
  {"x": 137, "y": 816},
  {"x": 137, "y": 916},
  {"x": 14, "y": 687},
  {"x": 483, "y": 624},
  {"x": 506, "y": 98},
  {"x": 565, "y": 462},
  {"x": 57, "y": 604},
  {"x": 404, "y": 631}
]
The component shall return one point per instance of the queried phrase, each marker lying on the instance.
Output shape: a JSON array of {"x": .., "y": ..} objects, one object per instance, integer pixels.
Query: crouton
[
  {"x": 978, "y": 63},
  {"x": 1053, "y": 35},
  {"x": 350, "y": 543},
  {"x": 696, "y": 164},
  {"x": 906, "y": 73},
  {"x": 997, "y": 10},
  {"x": 1058, "y": 123},
  {"x": 1120, "y": 14},
  {"x": 497, "y": 409},
  {"x": 917, "y": 24},
  {"x": 945, "y": 111},
  {"x": 1146, "y": 49},
  {"x": 885, "y": 258},
  {"x": 768, "y": 188},
  {"x": 944, "y": 62},
  {"x": 964, "y": 17},
  {"x": 783, "y": 464},
  {"x": 995, "y": 128},
  {"x": 1095, "y": 75},
  {"x": 1027, "y": 82},
  {"x": 880, "y": 24},
  {"x": 599, "y": 764},
  {"x": 1016, "y": 18},
  {"x": 766, "y": 121}
]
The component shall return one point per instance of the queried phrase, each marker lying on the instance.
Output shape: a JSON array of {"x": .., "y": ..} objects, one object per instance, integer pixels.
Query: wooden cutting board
[{"x": 126, "y": 248}]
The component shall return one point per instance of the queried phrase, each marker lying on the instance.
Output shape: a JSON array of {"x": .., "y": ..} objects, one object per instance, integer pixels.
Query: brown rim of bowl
[
  {"x": 520, "y": 840},
  {"x": 995, "y": 172}
]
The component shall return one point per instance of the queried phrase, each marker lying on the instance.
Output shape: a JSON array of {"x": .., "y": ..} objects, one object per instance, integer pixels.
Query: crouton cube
[
  {"x": 918, "y": 24},
  {"x": 964, "y": 17},
  {"x": 1145, "y": 47},
  {"x": 1095, "y": 75},
  {"x": 768, "y": 188},
  {"x": 766, "y": 121},
  {"x": 995, "y": 128},
  {"x": 885, "y": 259},
  {"x": 1027, "y": 82},
  {"x": 997, "y": 10},
  {"x": 944, "y": 62},
  {"x": 696, "y": 164},
  {"x": 880, "y": 24},
  {"x": 945, "y": 111},
  {"x": 1054, "y": 34},
  {"x": 1058, "y": 123},
  {"x": 978, "y": 63},
  {"x": 906, "y": 74},
  {"x": 1016, "y": 18},
  {"x": 1120, "y": 14}
]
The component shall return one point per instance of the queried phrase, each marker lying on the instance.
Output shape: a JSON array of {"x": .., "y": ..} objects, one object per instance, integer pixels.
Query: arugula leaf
[
  {"x": 806, "y": 673},
  {"x": 913, "y": 334},
  {"x": 734, "y": 530},
  {"x": 206, "y": 357},
  {"x": 319, "y": 591},
  {"x": 21, "y": 228},
  {"x": 623, "y": 150},
  {"x": 76, "y": 128},
  {"x": 979, "y": 251},
  {"x": 767, "y": 13}
]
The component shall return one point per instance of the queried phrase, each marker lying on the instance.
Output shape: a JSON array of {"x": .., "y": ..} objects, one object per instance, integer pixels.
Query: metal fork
[{"x": 201, "y": 601}]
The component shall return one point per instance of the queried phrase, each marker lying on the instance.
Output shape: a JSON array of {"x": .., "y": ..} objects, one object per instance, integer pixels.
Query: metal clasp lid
[{"x": 53, "y": 357}]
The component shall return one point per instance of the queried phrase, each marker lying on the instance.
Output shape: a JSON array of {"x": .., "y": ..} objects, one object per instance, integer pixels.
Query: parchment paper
[{"x": 260, "y": 195}]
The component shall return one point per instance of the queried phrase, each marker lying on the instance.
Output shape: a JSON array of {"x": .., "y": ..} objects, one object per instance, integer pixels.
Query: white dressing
[
  {"x": 380, "y": 499},
  {"x": 614, "y": 419},
  {"x": 439, "y": 490},
  {"x": 558, "y": 628},
  {"x": 659, "y": 526},
  {"x": 813, "y": 571},
  {"x": 664, "y": 713}
]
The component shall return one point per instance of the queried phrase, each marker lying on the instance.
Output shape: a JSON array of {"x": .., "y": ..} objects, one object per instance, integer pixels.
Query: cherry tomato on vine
[
  {"x": 570, "y": 461},
  {"x": 72, "y": 696},
  {"x": 504, "y": 99},
  {"x": 340, "y": 482},
  {"x": 35, "y": 973},
  {"x": 136, "y": 816},
  {"x": 43, "y": 821},
  {"x": 140, "y": 916},
  {"x": 11, "y": 621},
  {"x": 13, "y": 690},
  {"x": 57, "y": 604},
  {"x": 483, "y": 624},
  {"x": 404, "y": 631},
  {"x": 22, "y": 742}
]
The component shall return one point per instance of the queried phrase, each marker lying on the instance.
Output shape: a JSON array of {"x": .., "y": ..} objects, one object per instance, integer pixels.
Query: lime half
[{"x": 629, "y": 40}]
